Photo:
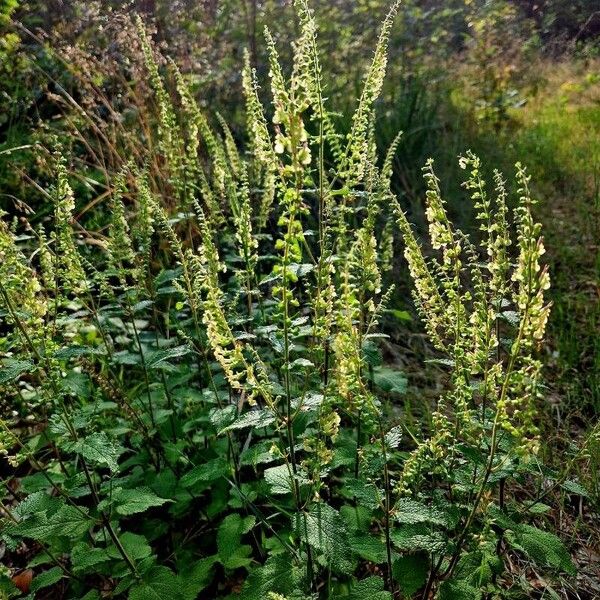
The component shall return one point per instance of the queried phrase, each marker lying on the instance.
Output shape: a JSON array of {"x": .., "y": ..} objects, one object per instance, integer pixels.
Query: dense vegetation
[{"x": 259, "y": 339}]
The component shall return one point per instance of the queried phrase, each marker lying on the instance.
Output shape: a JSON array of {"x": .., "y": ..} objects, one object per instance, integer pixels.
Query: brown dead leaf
[{"x": 23, "y": 580}]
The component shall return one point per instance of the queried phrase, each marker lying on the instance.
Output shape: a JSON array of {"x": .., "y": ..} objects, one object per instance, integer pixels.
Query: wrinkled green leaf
[
  {"x": 84, "y": 558},
  {"x": 277, "y": 575},
  {"x": 158, "y": 583},
  {"x": 410, "y": 571},
  {"x": 252, "y": 418},
  {"x": 136, "y": 546},
  {"x": 371, "y": 588},
  {"x": 130, "y": 502},
  {"x": 156, "y": 358},
  {"x": 544, "y": 548},
  {"x": 11, "y": 368},
  {"x": 369, "y": 547},
  {"x": 412, "y": 511},
  {"x": 281, "y": 480},
  {"x": 323, "y": 528},
  {"x": 197, "y": 578},
  {"x": 418, "y": 537},
  {"x": 67, "y": 521},
  {"x": 390, "y": 380},
  {"x": 232, "y": 553},
  {"x": 46, "y": 579},
  {"x": 98, "y": 449},
  {"x": 209, "y": 471},
  {"x": 365, "y": 493},
  {"x": 458, "y": 590}
]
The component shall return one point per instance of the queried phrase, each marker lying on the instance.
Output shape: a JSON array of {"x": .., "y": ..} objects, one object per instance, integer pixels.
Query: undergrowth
[{"x": 199, "y": 404}]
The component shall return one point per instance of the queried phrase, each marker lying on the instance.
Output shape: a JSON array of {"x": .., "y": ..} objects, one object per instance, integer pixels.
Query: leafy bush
[{"x": 200, "y": 405}]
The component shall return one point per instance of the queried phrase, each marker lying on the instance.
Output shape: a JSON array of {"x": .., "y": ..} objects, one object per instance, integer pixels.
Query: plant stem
[{"x": 387, "y": 510}]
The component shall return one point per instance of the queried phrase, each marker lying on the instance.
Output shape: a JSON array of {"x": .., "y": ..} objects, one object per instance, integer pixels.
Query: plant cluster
[{"x": 200, "y": 407}]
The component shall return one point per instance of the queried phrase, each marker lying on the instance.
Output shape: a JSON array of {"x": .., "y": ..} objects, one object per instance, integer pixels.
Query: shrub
[{"x": 200, "y": 404}]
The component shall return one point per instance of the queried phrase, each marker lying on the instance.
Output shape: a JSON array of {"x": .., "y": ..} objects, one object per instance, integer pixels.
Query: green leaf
[
  {"x": 368, "y": 547},
  {"x": 12, "y": 368},
  {"x": 458, "y": 590},
  {"x": 393, "y": 437},
  {"x": 278, "y": 575},
  {"x": 371, "y": 588},
  {"x": 500, "y": 517},
  {"x": 302, "y": 363},
  {"x": 70, "y": 522},
  {"x": 46, "y": 579},
  {"x": 7, "y": 588},
  {"x": 410, "y": 571},
  {"x": 58, "y": 426},
  {"x": 446, "y": 362},
  {"x": 232, "y": 553},
  {"x": 258, "y": 453},
  {"x": 132, "y": 501},
  {"x": 197, "y": 578},
  {"x": 76, "y": 351},
  {"x": 252, "y": 418},
  {"x": 158, "y": 583},
  {"x": 167, "y": 276},
  {"x": 401, "y": 315},
  {"x": 323, "y": 528},
  {"x": 356, "y": 518},
  {"x": 544, "y": 548},
  {"x": 539, "y": 508},
  {"x": 37, "y": 502},
  {"x": 510, "y": 316},
  {"x": 371, "y": 354},
  {"x": 390, "y": 380},
  {"x": 478, "y": 568},
  {"x": 124, "y": 357},
  {"x": 411, "y": 512},
  {"x": 84, "y": 558},
  {"x": 98, "y": 449},
  {"x": 136, "y": 546},
  {"x": 575, "y": 488},
  {"x": 157, "y": 358},
  {"x": 67, "y": 521},
  {"x": 300, "y": 270},
  {"x": 281, "y": 480},
  {"x": 366, "y": 494},
  {"x": 344, "y": 451},
  {"x": 142, "y": 305},
  {"x": 309, "y": 402},
  {"x": 209, "y": 471},
  {"x": 418, "y": 537},
  {"x": 222, "y": 417},
  {"x": 77, "y": 384}
]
